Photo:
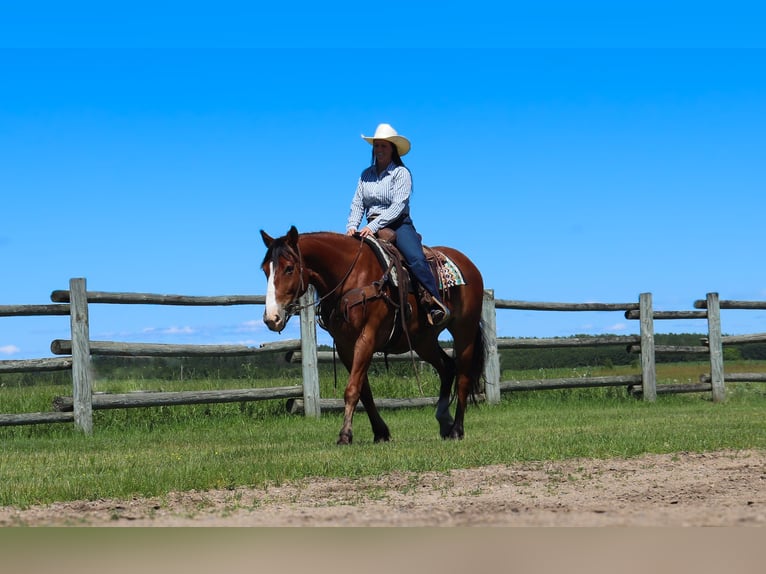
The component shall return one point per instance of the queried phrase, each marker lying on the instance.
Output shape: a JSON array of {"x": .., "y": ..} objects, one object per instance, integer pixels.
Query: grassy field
[{"x": 151, "y": 451}]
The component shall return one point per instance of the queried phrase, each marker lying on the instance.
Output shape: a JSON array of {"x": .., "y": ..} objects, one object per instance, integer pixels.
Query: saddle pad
[{"x": 447, "y": 271}]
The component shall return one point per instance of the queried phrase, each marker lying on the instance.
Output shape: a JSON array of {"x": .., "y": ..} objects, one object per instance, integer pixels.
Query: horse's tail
[{"x": 477, "y": 362}]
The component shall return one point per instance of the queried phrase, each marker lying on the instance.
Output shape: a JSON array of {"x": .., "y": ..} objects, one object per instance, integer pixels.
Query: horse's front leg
[
  {"x": 360, "y": 363},
  {"x": 379, "y": 427},
  {"x": 350, "y": 399}
]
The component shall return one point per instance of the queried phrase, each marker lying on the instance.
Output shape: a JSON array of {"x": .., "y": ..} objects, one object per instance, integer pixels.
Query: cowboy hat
[{"x": 386, "y": 132}]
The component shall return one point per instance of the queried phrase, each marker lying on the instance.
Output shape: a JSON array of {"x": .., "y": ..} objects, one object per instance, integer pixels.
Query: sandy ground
[{"x": 710, "y": 489}]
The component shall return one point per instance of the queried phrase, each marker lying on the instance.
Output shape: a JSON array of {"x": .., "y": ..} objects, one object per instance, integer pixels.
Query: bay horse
[{"x": 358, "y": 307}]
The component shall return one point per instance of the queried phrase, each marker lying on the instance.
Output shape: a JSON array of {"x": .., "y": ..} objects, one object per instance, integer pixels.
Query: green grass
[{"x": 152, "y": 451}]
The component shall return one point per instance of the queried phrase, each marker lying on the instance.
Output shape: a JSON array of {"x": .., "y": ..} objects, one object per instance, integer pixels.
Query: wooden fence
[{"x": 305, "y": 396}]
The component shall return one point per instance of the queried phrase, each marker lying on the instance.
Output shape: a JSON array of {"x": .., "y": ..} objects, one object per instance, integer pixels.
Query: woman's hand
[{"x": 365, "y": 232}]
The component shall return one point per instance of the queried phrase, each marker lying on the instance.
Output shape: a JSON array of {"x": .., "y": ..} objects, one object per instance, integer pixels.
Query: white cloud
[
  {"x": 617, "y": 327},
  {"x": 169, "y": 331},
  {"x": 178, "y": 331},
  {"x": 9, "y": 350},
  {"x": 251, "y": 326},
  {"x": 244, "y": 342},
  {"x": 251, "y": 333}
]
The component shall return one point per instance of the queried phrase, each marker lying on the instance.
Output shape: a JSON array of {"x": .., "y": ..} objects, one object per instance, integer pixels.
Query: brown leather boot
[{"x": 438, "y": 313}]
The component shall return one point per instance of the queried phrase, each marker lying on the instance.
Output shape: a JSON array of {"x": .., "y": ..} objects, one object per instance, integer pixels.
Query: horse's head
[{"x": 283, "y": 267}]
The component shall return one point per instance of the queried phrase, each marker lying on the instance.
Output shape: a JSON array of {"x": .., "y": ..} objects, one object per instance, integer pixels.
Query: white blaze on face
[{"x": 272, "y": 307}]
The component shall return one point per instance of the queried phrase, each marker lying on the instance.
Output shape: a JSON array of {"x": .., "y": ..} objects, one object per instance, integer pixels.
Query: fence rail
[
  {"x": 305, "y": 397},
  {"x": 567, "y": 342},
  {"x": 544, "y": 306},
  {"x": 36, "y": 365},
  {"x": 115, "y": 349},
  {"x": 32, "y": 310},
  {"x": 170, "y": 398},
  {"x": 154, "y": 299}
]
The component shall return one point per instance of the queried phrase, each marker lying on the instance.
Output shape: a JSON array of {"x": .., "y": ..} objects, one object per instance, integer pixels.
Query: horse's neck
[{"x": 329, "y": 259}]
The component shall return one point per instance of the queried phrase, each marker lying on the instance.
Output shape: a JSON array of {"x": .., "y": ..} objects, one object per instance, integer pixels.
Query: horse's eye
[{"x": 289, "y": 269}]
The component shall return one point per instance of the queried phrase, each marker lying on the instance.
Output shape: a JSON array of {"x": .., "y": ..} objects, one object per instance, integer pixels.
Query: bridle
[{"x": 293, "y": 306}]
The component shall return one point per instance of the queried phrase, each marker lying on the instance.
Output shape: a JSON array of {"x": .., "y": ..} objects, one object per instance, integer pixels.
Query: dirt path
[{"x": 710, "y": 489}]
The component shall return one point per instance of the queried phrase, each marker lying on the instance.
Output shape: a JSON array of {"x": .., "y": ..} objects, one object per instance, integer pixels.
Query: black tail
[{"x": 477, "y": 362}]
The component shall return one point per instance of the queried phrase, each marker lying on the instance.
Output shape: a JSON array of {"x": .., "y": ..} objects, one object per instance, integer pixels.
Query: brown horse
[{"x": 359, "y": 307}]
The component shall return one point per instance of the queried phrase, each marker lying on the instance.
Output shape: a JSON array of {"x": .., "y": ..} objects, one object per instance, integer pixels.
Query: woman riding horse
[
  {"x": 364, "y": 311},
  {"x": 383, "y": 195},
  {"x": 361, "y": 309}
]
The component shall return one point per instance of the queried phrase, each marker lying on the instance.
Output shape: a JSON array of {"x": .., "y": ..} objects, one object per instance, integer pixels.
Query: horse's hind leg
[
  {"x": 446, "y": 376},
  {"x": 445, "y": 367},
  {"x": 379, "y": 427},
  {"x": 465, "y": 373},
  {"x": 463, "y": 384}
]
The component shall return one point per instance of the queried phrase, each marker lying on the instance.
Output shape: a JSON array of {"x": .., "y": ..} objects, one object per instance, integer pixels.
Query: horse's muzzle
[{"x": 275, "y": 321}]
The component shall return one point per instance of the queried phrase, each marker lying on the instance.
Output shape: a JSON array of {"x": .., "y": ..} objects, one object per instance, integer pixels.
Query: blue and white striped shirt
[{"x": 384, "y": 197}]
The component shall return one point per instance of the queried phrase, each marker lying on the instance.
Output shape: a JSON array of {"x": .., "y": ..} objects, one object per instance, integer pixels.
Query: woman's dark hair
[{"x": 394, "y": 155}]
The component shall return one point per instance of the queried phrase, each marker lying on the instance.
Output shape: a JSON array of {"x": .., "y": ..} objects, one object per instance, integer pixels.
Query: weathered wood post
[
  {"x": 82, "y": 382},
  {"x": 715, "y": 343},
  {"x": 491, "y": 358},
  {"x": 309, "y": 355},
  {"x": 648, "y": 367}
]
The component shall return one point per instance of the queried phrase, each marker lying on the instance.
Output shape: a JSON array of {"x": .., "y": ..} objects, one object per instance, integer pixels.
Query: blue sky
[{"x": 574, "y": 155}]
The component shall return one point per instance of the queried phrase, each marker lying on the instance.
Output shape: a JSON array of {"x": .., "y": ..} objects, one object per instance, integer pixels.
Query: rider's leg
[{"x": 409, "y": 243}]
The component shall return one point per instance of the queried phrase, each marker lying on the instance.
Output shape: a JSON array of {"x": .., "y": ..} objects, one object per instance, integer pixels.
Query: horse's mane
[
  {"x": 281, "y": 247},
  {"x": 331, "y": 233}
]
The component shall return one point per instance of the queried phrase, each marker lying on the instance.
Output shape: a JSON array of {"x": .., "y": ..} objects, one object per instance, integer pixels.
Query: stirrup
[{"x": 438, "y": 314}]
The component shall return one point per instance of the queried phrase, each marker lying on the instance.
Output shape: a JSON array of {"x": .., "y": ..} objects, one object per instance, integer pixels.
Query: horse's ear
[
  {"x": 292, "y": 235},
  {"x": 267, "y": 239}
]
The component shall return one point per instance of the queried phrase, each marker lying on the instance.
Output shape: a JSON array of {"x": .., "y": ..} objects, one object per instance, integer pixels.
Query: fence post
[
  {"x": 648, "y": 367},
  {"x": 309, "y": 355},
  {"x": 715, "y": 343},
  {"x": 491, "y": 358},
  {"x": 82, "y": 383}
]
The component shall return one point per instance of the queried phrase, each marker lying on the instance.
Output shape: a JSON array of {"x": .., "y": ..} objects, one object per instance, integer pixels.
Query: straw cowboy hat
[{"x": 386, "y": 132}]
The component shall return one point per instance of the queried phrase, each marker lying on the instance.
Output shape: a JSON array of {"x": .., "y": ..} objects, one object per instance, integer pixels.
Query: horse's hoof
[
  {"x": 345, "y": 438},
  {"x": 452, "y": 434},
  {"x": 446, "y": 423},
  {"x": 382, "y": 434},
  {"x": 446, "y": 428}
]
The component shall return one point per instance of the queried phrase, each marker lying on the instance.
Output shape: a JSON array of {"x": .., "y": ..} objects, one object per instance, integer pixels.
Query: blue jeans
[{"x": 408, "y": 242}]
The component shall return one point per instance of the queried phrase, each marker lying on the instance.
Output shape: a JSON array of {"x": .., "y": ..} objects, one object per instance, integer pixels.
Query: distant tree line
[{"x": 274, "y": 365}]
